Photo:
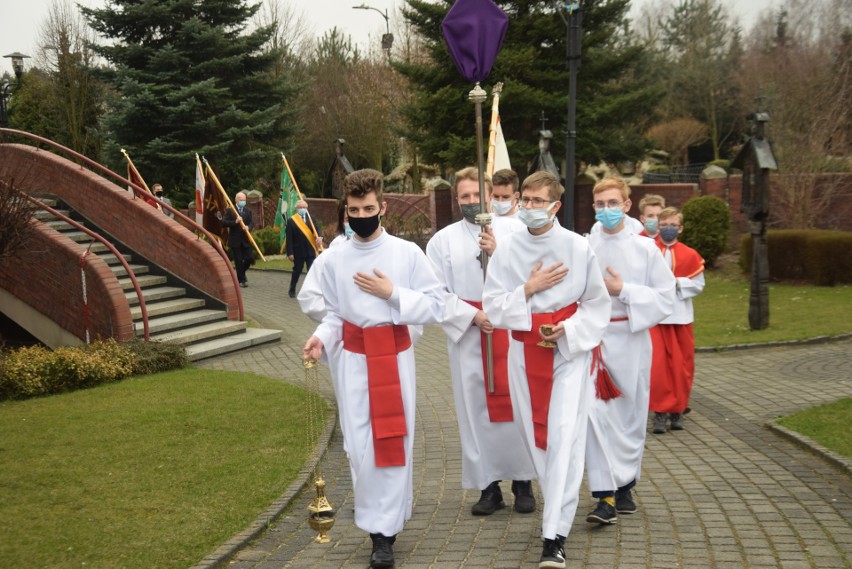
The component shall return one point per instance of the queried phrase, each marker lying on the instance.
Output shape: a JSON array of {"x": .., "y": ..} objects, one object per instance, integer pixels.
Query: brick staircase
[{"x": 176, "y": 312}]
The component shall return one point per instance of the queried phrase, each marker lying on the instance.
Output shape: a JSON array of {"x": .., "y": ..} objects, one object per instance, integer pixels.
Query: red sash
[
  {"x": 539, "y": 365},
  {"x": 500, "y": 402},
  {"x": 381, "y": 344}
]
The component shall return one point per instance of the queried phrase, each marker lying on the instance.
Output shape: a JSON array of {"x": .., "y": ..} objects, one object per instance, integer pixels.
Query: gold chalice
[{"x": 546, "y": 330}]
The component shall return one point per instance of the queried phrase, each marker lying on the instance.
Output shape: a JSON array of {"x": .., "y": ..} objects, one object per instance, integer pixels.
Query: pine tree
[
  {"x": 190, "y": 78},
  {"x": 612, "y": 98}
]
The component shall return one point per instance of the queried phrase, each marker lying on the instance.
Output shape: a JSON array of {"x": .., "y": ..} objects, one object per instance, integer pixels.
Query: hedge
[
  {"x": 33, "y": 371},
  {"x": 821, "y": 257}
]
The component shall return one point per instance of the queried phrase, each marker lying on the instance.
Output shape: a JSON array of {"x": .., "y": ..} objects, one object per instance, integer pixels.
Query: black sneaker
[
  {"x": 490, "y": 501},
  {"x": 677, "y": 421},
  {"x": 382, "y": 557},
  {"x": 553, "y": 554},
  {"x": 602, "y": 514},
  {"x": 624, "y": 503},
  {"x": 524, "y": 499}
]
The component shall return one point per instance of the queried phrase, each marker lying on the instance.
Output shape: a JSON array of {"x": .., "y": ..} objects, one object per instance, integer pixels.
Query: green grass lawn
[
  {"x": 796, "y": 312},
  {"x": 281, "y": 264},
  {"x": 149, "y": 472},
  {"x": 829, "y": 425}
]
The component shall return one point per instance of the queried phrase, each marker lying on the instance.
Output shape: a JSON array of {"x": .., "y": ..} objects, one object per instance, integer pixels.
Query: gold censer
[{"x": 321, "y": 512}]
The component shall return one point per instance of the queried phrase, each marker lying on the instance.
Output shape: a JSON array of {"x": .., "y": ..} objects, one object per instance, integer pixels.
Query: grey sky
[{"x": 21, "y": 19}]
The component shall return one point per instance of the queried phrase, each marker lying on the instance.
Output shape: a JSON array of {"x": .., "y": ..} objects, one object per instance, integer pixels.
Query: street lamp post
[
  {"x": 6, "y": 87},
  {"x": 572, "y": 14},
  {"x": 387, "y": 38}
]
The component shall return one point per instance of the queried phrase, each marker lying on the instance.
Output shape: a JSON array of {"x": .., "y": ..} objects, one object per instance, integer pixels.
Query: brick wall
[
  {"x": 46, "y": 275},
  {"x": 140, "y": 227}
]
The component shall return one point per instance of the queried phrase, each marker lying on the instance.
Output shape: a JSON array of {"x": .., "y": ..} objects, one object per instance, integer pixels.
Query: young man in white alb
[
  {"x": 641, "y": 290},
  {"x": 548, "y": 276},
  {"x": 504, "y": 193},
  {"x": 491, "y": 436},
  {"x": 374, "y": 286}
]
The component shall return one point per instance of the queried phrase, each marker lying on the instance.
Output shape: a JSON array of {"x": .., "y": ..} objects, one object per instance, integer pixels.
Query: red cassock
[{"x": 673, "y": 363}]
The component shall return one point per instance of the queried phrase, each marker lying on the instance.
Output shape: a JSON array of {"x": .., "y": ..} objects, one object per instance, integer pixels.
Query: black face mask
[
  {"x": 364, "y": 226},
  {"x": 470, "y": 211}
]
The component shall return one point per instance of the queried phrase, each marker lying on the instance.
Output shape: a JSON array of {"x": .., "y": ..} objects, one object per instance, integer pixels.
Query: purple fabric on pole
[{"x": 474, "y": 32}]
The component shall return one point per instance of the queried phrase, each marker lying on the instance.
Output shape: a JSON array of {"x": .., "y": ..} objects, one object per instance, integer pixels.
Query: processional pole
[{"x": 474, "y": 32}]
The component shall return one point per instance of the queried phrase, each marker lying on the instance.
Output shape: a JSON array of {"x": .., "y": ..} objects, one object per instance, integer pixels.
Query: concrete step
[
  {"x": 49, "y": 201},
  {"x": 143, "y": 280},
  {"x": 180, "y": 320},
  {"x": 59, "y": 225},
  {"x": 44, "y": 215},
  {"x": 120, "y": 271},
  {"x": 111, "y": 259},
  {"x": 97, "y": 247},
  {"x": 78, "y": 236},
  {"x": 155, "y": 293},
  {"x": 251, "y": 337},
  {"x": 201, "y": 332},
  {"x": 163, "y": 307}
]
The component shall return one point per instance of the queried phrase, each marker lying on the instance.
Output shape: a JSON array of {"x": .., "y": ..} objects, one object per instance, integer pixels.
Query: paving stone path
[{"x": 726, "y": 492}]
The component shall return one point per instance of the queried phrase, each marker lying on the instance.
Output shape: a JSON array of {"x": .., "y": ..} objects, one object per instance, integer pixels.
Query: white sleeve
[
  {"x": 690, "y": 287},
  {"x": 423, "y": 301},
  {"x": 310, "y": 296},
  {"x": 651, "y": 303},
  {"x": 458, "y": 315}
]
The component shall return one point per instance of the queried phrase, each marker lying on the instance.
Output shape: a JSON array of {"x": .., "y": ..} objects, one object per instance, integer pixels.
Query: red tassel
[{"x": 605, "y": 387}]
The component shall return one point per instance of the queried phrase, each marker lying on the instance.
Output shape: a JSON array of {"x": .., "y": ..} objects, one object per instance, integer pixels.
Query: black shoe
[
  {"x": 524, "y": 499},
  {"x": 292, "y": 294},
  {"x": 624, "y": 503},
  {"x": 677, "y": 421},
  {"x": 490, "y": 501},
  {"x": 244, "y": 284},
  {"x": 602, "y": 514},
  {"x": 382, "y": 556},
  {"x": 553, "y": 554},
  {"x": 659, "y": 423}
]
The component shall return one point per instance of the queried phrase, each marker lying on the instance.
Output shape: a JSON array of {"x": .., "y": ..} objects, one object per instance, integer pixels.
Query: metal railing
[
  {"x": 138, "y": 192},
  {"x": 142, "y": 308}
]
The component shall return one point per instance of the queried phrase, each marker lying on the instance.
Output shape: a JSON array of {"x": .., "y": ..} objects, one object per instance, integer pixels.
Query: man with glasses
[
  {"x": 544, "y": 284},
  {"x": 641, "y": 290},
  {"x": 674, "y": 343},
  {"x": 491, "y": 436}
]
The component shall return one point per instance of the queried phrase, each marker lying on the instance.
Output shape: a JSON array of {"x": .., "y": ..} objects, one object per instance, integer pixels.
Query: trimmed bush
[
  {"x": 34, "y": 371},
  {"x": 818, "y": 256},
  {"x": 706, "y": 227},
  {"x": 267, "y": 240}
]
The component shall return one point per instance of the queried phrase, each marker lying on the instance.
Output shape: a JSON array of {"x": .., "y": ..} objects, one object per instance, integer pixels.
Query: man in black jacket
[
  {"x": 238, "y": 240},
  {"x": 303, "y": 242}
]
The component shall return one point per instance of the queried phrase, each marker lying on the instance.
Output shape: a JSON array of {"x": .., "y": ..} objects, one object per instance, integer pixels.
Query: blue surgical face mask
[
  {"x": 302, "y": 211},
  {"x": 651, "y": 225},
  {"x": 501, "y": 208},
  {"x": 348, "y": 231},
  {"x": 669, "y": 234},
  {"x": 610, "y": 217},
  {"x": 536, "y": 218},
  {"x": 241, "y": 203}
]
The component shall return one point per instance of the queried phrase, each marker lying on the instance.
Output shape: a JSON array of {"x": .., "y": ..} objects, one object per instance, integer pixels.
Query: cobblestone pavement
[{"x": 725, "y": 492}]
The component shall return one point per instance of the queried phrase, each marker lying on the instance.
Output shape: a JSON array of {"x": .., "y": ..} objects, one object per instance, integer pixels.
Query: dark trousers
[
  {"x": 243, "y": 258},
  {"x": 298, "y": 263}
]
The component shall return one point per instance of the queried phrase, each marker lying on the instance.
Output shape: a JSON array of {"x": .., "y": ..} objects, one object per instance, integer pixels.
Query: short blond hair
[
  {"x": 651, "y": 199},
  {"x": 544, "y": 179},
  {"x": 612, "y": 183},
  {"x": 671, "y": 212},
  {"x": 471, "y": 173}
]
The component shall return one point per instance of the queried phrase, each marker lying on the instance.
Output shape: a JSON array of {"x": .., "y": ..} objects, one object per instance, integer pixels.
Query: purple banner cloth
[{"x": 474, "y": 32}]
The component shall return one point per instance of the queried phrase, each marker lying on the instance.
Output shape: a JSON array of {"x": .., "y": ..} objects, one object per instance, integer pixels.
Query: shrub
[
  {"x": 706, "y": 226},
  {"x": 36, "y": 370},
  {"x": 721, "y": 163},
  {"x": 154, "y": 357},
  {"x": 415, "y": 228},
  {"x": 818, "y": 256},
  {"x": 267, "y": 240}
]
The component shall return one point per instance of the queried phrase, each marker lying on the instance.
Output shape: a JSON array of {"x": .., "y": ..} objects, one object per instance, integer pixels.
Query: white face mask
[
  {"x": 536, "y": 218},
  {"x": 501, "y": 208}
]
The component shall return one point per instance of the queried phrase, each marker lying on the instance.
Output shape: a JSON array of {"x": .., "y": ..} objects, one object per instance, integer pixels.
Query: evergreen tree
[
  {"x": 612, "y": 98},
  {"x": 190, "y": 78}
]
